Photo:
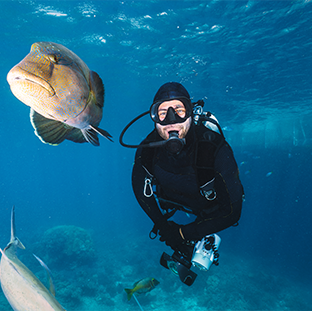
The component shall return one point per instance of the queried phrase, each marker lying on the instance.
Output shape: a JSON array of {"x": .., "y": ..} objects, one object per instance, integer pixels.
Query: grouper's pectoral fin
[
  {"x": 91, "y": 135},
  {"x": 54, "y": 132},
  {"x": 101, "y": 132},
  {"x": 49, "y": 131}
]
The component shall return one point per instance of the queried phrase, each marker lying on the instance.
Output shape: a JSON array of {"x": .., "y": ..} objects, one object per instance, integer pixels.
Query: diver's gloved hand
[{"x": 170, "y": 234}]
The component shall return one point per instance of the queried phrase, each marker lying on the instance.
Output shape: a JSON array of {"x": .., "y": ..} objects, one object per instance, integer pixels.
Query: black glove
[{"x": 170, "y": 234}]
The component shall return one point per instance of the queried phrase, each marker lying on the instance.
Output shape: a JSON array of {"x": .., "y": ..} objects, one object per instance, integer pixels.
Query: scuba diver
[{"x": 186, "y": 180}]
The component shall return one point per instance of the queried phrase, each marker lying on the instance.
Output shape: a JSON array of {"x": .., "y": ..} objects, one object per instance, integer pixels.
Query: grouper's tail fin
[{"x": 14, "y": 240}]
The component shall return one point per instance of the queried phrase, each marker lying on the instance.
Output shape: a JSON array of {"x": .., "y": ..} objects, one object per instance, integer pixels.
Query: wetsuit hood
[{"x": 167, "y": 92}]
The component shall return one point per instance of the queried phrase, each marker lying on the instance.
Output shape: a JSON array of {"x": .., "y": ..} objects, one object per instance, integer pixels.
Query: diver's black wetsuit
[{"x": 176, "y": 181}]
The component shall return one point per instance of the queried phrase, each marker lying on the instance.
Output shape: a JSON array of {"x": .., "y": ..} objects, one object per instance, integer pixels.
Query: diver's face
[{"x": 181, "y": 128}]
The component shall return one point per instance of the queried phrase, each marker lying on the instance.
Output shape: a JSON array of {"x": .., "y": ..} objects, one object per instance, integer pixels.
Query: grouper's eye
[
  {"x": 58, "y": 59},
  {"x": 53, "y": 58}
]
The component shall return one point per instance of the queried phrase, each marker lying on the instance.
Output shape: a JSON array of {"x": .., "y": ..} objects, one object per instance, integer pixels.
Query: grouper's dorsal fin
[
  {"x": 46, "y": 268},
  {"x": 14, "y": 240}
]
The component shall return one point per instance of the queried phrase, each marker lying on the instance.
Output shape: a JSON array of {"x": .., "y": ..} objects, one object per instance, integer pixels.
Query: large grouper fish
[
  {"x": 66, "y": 98},
  {"x": 21, "y": 287}
]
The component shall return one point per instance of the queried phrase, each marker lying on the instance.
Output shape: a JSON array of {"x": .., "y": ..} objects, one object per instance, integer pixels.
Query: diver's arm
[
  {"x": 148, "y": 204},
  {"x": 196, "y": 230},
  {"x": 229, "y": 194}
]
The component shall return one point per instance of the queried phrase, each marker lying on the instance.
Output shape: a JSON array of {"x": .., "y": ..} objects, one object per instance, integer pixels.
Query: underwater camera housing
[
  {"x": 180, "y": 266},
  {"x": 206, "y": 252}
]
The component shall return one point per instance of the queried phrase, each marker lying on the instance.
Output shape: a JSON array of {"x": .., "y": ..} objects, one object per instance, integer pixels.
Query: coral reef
[{"x": 66, "y": 247}]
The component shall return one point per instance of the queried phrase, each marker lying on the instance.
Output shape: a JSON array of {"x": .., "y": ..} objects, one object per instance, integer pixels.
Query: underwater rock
[{"x": 67, "y": 247}]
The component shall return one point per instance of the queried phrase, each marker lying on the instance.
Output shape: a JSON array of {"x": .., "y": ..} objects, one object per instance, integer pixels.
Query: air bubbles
[
  {"x": 102, "y": 39},
  {"x": 215, "y": 28},
  {"x": 228, "y": 88}
]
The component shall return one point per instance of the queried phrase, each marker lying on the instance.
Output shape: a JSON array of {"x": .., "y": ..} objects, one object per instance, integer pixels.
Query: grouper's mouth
[{"x": 17, "y": 74}]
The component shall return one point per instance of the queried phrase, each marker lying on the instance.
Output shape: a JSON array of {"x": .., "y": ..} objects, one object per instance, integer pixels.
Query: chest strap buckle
[
  {"x": 210, "y": 195},
  {"x": 207, "y": 190}
]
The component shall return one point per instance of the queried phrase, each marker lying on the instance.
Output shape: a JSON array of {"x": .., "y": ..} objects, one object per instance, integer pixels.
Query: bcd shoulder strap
[
  {"x": 148, "y": 154},
  {"x": 208, "y": 144}
]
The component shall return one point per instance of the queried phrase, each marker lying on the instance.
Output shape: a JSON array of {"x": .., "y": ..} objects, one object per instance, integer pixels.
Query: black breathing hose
[{"x": 126, "y": 128}]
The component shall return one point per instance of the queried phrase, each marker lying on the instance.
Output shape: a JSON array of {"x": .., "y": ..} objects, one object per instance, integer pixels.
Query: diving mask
[{"x": 171, "y": 115}]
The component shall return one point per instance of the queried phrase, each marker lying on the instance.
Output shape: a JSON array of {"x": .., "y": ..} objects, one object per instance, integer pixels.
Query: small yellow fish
[
  {"x": 142, "y": 286},
  {"x": 65, "y": 97}
]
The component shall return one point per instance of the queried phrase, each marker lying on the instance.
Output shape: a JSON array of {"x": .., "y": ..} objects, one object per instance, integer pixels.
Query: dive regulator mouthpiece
[{"x": 174, "y": 144}]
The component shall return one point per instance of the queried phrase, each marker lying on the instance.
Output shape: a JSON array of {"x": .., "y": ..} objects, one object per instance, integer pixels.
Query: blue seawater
[{"x": 251, "y": 62}]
